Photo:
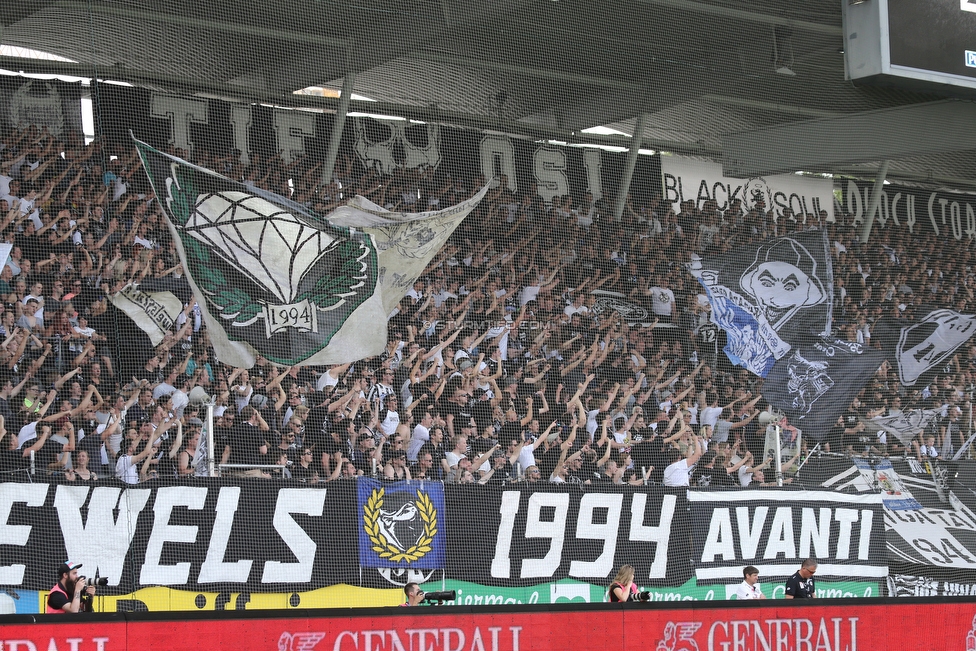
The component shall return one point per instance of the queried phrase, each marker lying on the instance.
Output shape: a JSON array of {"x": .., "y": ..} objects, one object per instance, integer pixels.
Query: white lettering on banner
[
  {"x": 535, "y": 527},
  {"x": 723, "y": 539},
  {"x": 163, "y": 532},
  {"x": 498, "y": 157},
  {"x": 803, "y": 195},
  {"x": 661, "y": 534},
  {"x": 291, "y": 129},
  {"x": 214, "y": 569},
  {"x": 181, "y": 112},
  {"x": 501, "y": 565},
  {"x": 102, "y": 542},
  {"x": 70, "y": 643},
  {"x": 410, "y": 639},
  {"x": 589, "y": 530},
  {"x": 586, "y": 529},
  {"x": 549, "y": 167},
  {"x": 11, "y": 534},
  {"x": 240, "y": 119},
  {"x": 294, "y": 500},
  {"x": 779, "y": 634},
  {"x": 927, "y": 531},
  {"x": 946, "y": 214},
  {"x": 593, "y": 163}
]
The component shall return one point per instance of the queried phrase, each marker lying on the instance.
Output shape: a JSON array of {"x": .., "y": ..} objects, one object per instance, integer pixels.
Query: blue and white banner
[
  {"x": 401, "y": 524},
  {"x": 767, "y": 295}
]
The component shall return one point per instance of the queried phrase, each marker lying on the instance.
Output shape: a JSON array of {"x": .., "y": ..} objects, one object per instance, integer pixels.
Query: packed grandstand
[{"x": 500, "y": 366}]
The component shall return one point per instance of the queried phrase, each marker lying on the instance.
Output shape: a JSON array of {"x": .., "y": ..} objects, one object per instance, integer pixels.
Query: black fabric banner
[
  {"x": 765, "y": 296},
  {"x": 52, "y": 105},
  {"x": 525, "y": 537},
  {"x": 263, "y": 536},
  {"x": 910, "y": 211},
  {"x": 921, "y": 348},
  {"x": 197, "y": 124},
  {"x": 816, "y": 381}
]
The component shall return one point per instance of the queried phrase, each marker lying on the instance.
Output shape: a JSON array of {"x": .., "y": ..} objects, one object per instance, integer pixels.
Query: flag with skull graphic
[
  {"x": 401, "y": 524},
  {"x": 767, "y": 295},
  {"x": 275, "y": 279},
  {"x": 814, "y": 384},
  {"x": 921, "y": 348}
]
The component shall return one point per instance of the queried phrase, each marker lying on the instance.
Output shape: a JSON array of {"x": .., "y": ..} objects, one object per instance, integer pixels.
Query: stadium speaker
[{"x": 199, "y": 396}]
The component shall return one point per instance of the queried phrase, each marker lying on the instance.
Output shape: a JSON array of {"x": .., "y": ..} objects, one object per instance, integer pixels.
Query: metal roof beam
[
  {"x": 815, "y": 145},
  {"x": 747, "y": 16},
  {"x": 240, "y": 29}
]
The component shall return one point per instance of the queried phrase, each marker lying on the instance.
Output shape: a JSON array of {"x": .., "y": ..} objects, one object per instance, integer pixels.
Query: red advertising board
[{"x": 777, "y": 626}]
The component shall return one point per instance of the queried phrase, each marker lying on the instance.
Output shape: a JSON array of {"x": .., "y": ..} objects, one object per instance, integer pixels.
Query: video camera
[{"x": 440, "y": 597}]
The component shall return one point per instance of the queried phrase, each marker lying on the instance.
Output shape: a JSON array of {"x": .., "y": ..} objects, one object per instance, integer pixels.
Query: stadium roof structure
[{"x": 759, "y": 85}]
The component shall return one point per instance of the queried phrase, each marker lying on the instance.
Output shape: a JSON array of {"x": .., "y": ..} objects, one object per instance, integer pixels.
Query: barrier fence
[{"x": 225, "y": 544}]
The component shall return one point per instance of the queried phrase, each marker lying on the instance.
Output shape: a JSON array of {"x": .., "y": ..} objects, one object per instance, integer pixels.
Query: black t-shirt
[
  {"x": 246, "y": 439},
  {"x": 481, "y": 410},
  {"x": 58, "y": 600},
  {"x": 11, "y": 460},
  {"x": 480, "y": 445},
  {"x": 301, "y": 473},
  {"x": 800, "y": 588},
  {"x": 546, "y": 461}
]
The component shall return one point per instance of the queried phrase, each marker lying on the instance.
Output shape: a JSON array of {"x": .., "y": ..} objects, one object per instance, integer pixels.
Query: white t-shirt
[
  {"x": 709, "y": 416},
  {"x": 678, "y": 473},
  {"x": 746, "y": 591},
  {"x": 126, "y": 470},
  {"x": 662, "y": 301},
  {"x": 453, "y": 458},
  {"x": 420, "y": 436}
]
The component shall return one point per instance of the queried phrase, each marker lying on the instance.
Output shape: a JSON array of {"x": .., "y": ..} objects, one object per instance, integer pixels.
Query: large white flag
[
  {"x": 154, "y": 312},
  {"x": 276, "y": 279}
]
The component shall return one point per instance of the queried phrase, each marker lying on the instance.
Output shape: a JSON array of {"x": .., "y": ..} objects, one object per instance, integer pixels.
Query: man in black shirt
[{"x": 801, "y": 585}]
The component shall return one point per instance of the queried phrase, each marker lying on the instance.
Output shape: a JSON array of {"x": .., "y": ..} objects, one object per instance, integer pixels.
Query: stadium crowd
[{"x": 502, "y": 363}]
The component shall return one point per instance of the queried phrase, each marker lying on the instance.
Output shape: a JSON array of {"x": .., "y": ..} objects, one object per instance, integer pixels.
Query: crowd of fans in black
[{"x": 502, "y": 363}]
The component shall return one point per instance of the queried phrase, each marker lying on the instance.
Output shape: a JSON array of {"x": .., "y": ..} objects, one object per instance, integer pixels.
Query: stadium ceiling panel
[{"x": 699, "y": 71}]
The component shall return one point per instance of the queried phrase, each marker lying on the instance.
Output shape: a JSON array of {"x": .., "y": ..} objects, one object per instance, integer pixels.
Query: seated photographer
[{"x": 623, "y": 588}]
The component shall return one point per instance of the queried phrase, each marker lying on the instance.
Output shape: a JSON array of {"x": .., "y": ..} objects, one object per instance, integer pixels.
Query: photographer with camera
[
  {"x": 414, "y": 594},
  {"x": 72, "y": 593},
  {"x": 623, "y": 587}
]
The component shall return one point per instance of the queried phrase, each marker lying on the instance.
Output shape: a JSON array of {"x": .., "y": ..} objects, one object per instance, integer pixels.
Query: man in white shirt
[
  {"x": 679, "y": 472},
  {"x": 421, "y": 434},
  {"x": 749, "y": 588},
  {"x": 662, "y": 301}
]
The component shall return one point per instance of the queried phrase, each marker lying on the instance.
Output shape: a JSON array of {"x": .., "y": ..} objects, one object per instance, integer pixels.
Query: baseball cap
[
  {"x": 194, "y": 422},
  {"x": 67, "y": 566}
]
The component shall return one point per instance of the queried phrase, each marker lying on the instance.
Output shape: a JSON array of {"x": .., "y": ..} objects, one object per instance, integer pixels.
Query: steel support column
[
  {"x": 873, "y": 204},
  {"x": 628, "y": 175},
  {"x": 340, "y": 123}
]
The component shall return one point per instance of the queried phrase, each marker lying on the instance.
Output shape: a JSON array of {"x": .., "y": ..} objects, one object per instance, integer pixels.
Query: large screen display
[{"x": 933, "y": 35}]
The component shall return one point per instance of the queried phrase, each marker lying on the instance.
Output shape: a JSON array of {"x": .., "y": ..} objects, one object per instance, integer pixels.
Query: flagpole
[{"x": 779, "y": 457}]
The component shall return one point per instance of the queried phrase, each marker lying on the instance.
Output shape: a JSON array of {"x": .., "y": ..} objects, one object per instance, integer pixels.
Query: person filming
[
  {"x": 415, "y": 595},
  {"x": 71, "y": 594},
  {"x": 623, "y": 588}
]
